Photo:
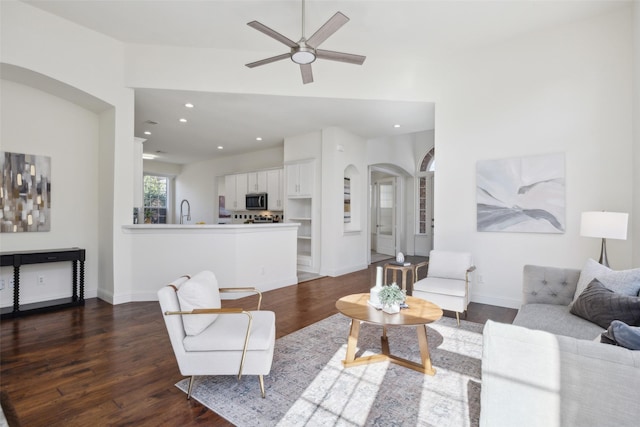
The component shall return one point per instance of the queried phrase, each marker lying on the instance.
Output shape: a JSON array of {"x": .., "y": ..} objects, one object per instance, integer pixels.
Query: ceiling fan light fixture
[
  {"x": 303, "y": 55},
  {"x": 306, "y": 51}
]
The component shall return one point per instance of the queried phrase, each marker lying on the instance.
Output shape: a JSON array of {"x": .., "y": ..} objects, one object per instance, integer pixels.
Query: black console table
[{"x": 17, "y": 259}]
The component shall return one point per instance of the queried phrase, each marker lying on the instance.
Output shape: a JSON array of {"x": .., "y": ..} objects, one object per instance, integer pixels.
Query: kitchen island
[{"x": 257, "y": 255}]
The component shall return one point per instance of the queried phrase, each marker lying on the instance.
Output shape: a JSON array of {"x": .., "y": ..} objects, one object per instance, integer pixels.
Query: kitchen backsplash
[{"x": 241, "y": 217}]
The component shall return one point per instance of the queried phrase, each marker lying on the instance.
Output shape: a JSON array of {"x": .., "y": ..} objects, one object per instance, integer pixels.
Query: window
[
  {"x": 155, "y": 199},
  {"x": 425, "y": 177}
]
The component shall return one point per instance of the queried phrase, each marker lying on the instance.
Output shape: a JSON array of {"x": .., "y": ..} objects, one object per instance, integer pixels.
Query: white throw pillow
[
  {"x": 201, "y": 291},
  {"x": 590, "y": 271}
]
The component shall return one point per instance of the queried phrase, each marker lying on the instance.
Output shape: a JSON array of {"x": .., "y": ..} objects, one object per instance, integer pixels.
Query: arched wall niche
[{"x": 352, "y": 199}]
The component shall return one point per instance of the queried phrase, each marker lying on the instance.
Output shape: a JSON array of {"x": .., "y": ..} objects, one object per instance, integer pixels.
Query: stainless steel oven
[{"x": 256, "y": 201}]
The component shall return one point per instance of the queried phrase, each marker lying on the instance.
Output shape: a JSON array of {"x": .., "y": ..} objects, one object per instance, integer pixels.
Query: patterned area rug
[{"x": 308, "y": 386}]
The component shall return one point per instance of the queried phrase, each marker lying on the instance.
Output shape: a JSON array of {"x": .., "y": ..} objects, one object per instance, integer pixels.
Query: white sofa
[
  {"x": 549, "y": 369},
  {"x": 538, "y": 379}
]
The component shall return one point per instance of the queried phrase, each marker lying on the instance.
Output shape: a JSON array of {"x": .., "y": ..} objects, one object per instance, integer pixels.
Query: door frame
[
  {"x": 400, "y": 176},
  {"x": 388, "y": 180}
]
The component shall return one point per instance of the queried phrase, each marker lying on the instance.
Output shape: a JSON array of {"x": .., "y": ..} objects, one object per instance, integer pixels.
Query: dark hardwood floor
[{"x": 113, "y": 365}]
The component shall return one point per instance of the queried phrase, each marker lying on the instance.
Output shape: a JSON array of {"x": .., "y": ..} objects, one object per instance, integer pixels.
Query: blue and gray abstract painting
[{"x": 525, "y": 194}]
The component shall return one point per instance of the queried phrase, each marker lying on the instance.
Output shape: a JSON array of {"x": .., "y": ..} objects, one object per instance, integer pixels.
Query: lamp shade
[{"x": 607, "y": 225}]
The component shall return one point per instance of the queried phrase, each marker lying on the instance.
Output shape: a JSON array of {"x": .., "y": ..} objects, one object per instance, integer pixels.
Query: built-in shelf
[{"x": 300, "y": 178}]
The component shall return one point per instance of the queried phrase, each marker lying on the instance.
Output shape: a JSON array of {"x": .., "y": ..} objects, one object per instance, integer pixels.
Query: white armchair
[
  {"x": 447, "y": 281},
  {"x": 210, "y": 340}
]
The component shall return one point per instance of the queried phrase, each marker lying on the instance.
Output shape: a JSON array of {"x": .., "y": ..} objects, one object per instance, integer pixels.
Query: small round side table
[{"x": 404, "y": 269}]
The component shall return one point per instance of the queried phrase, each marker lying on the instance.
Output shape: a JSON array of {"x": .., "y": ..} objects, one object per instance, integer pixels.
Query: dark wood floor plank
[{"x": 113, "y": 365}]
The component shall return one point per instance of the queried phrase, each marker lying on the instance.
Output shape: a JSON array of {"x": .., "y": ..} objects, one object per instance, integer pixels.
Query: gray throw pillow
[
  {"x": 619, "y": 333},
  {"x": 626, "y": 282},
  {"x": 601, "y": 305}
]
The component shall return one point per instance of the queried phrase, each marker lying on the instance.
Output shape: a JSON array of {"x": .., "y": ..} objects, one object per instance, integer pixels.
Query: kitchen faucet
[{"x": 188, "y": 211}]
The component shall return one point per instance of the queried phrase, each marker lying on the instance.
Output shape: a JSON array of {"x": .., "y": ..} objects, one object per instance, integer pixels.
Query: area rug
[{"x": 308, "y": 386}]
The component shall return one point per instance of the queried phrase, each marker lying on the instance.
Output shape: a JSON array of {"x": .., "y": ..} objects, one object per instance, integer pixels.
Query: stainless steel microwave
[{"x": 256, "y": 201}]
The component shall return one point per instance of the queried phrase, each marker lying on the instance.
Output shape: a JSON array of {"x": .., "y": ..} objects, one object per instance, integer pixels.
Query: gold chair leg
[
  {"x": 190, "y": 386},
  {"x": 261, "y": 378},
  {"x": 458, "y": 318}
]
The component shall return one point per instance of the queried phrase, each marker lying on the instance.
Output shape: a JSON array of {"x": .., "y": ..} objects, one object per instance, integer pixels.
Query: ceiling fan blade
[
  {"x": 268, "y": 60},
  {"x": 340, "y": 56},
  {"x": 307, "y": 74},
  {"x": 272, "y": 33},
  {"x": 331, "y": 26}
]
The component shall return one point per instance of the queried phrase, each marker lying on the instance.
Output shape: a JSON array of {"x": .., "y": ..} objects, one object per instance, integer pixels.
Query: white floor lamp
[{"x": 606, "y": 225}]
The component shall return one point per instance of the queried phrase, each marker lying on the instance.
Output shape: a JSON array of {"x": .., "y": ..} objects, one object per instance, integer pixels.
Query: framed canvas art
[
  {"x": 25, "y": 192},
  {"x": 523, "y": 194}
]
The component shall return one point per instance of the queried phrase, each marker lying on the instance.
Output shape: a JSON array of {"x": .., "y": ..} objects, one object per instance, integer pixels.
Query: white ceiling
[{"x": 393, "y": 28}]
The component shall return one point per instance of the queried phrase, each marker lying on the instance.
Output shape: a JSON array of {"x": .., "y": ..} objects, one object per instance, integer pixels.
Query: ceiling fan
[{"x": 305, "y": 51}]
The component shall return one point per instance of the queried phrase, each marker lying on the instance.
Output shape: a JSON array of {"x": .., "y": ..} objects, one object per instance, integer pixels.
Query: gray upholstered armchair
[
  {"x": 210, "y": 340},
  {"x": 447, "y": 281}
]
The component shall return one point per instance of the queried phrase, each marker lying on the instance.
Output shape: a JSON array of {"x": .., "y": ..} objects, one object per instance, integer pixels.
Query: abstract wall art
[
  {"x": 25, "y": 192},
  {"x": 524, "y": 194}
]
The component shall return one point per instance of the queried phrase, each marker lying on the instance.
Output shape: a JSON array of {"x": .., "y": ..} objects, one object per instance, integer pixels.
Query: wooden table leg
[
  {"x": 424, "y": 350},
  {"x": 404, "y": 279},
  {"x": 384, "y": 342},
  {"x": 352, "y": 341}
]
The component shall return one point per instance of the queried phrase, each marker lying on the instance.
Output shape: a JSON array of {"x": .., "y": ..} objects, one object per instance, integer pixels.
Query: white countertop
[{"x": 211, "y": 227}]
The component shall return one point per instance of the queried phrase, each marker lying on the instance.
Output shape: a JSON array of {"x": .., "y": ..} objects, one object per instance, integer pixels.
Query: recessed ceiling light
[
  {"x": 189, "y": 105},
  {"x": 148, "y": 156},
  {"x": 183, "y": 120},
  {"x": 396, "y": 126},
  {"x": 146, "y": 132},
  {"x": 220, "y": 147},
  {"x": 259, "y": 139}
]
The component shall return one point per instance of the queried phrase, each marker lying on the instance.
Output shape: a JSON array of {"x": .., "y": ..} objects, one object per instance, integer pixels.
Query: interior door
[{"x": 386, "y": 217}]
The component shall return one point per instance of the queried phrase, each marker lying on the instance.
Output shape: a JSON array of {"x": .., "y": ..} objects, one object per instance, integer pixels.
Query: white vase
[
  {"x": 374, "y": 299},
  {"x": 391, "y": 309}
]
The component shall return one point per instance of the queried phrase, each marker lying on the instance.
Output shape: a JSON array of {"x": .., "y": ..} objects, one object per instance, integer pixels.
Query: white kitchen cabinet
[
  {"x": 257, "y": 182},
  {"x": 235, "y": 187},
  {"x": 274, "y": 189},
  {"x": 300, "y": 178}
]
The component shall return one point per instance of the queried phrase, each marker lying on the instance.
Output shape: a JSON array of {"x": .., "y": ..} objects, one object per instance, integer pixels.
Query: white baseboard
[
  {"x": 492, "y": 300},
  {"x": 344, "y": 270}
]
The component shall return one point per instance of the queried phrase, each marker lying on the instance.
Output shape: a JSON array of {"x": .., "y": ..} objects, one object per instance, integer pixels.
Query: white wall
[
  {"x": 565, "y": 89},
  {"x": 35, "y": 122},
  {"x": 342, "y": 252},
  {"x": 93, "y": 64}
]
